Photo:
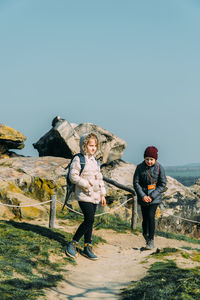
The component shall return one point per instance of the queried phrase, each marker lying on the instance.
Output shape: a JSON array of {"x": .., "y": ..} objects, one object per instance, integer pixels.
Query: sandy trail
[{"x": 120, "y": 262}]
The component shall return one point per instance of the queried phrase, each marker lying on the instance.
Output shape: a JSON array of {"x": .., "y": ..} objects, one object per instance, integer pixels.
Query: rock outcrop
[
  {"x": 196, "y": 188},
  {"x": 33, "y": 180},
  {"x": 63, "y": 141},
  {"x": 28, "y": 180},
  {"x": 10, "y": 139},
  {"x": 122, "y": 173},
  {"x": 180, "y": 201}
]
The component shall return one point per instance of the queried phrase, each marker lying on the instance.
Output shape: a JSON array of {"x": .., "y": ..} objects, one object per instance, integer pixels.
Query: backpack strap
[
  {"x": 82, "y": 161},
  {"x": 70, "y": 187}
]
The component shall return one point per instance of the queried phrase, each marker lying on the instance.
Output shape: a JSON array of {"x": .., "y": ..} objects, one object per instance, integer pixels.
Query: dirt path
[{"x": 120, "y": 262}]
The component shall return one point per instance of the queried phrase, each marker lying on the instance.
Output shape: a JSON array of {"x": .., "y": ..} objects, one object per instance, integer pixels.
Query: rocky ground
[{"x": 122, "y": 259}]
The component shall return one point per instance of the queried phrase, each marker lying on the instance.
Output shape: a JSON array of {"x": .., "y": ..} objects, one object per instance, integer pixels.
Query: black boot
[{"x": 87, "y": 252}]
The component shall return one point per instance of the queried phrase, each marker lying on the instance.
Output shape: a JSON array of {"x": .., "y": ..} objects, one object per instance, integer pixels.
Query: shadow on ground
[{"x": 43, "y": 231}]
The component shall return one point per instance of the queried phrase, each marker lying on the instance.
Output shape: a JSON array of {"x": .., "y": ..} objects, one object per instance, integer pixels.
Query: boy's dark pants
[
  {"x": 148, "y": 223},
  {"x": 86, "y": 227}
]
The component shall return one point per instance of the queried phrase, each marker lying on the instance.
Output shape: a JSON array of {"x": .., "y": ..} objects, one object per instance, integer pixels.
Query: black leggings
[
  {"x": 148, "y": 222},
  {"x": 86, "y": 227}
]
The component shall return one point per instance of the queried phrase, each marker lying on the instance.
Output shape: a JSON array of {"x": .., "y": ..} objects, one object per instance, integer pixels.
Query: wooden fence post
[
  {"x": 134, "y": 214},
  {"x": 52, "y": 215}
]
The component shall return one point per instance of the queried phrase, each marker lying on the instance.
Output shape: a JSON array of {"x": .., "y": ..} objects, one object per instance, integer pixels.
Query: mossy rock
[{"x": 11, "y": 138}]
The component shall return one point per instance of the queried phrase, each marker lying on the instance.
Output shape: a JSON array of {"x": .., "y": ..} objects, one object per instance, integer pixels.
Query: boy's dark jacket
[{"x": 141, "y": 180}]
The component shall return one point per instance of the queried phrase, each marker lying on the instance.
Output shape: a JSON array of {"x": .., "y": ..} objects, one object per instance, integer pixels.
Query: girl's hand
[
  {"x": 90, "y": 182},
  {"x": 103, "y": 201}
]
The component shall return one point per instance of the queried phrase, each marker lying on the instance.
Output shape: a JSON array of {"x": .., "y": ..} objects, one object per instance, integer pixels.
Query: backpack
[{"x": 71, "y": 186}]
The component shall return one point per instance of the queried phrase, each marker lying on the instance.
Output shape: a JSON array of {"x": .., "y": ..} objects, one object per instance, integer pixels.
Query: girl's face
[
  {"x": 150, "y": 161},
  {"x": 91, "y": 146}
]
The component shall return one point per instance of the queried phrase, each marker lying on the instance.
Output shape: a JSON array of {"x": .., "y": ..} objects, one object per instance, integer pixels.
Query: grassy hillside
[
  {"x": 32, "y": 258},
  {"x": 26, "y": 259}
]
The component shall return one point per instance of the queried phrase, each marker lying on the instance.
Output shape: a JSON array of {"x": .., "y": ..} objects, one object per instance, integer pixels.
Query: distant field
[{"x": 185, "y": 175}]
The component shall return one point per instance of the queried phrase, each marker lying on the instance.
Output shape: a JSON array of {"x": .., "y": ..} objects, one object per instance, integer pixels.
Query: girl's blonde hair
[{"x": 86, "y": 141}]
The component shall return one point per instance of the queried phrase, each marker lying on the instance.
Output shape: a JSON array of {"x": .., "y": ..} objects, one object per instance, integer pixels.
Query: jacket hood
[{"x": 81, "y": 143}]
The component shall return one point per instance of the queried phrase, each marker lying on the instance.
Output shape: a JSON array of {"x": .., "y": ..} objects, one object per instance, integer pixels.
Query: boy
[{"x": 149, "y": 183}]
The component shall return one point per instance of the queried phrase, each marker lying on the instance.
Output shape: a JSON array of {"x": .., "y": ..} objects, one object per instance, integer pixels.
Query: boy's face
[
  {"x": 150, "y": 161},
  {"x": 91, "y": 146}
]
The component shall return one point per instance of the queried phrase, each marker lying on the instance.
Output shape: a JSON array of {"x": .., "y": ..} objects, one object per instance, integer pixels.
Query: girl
[
  {"x": 89, "y": 190},
  {"x": 149, "y": 182}
]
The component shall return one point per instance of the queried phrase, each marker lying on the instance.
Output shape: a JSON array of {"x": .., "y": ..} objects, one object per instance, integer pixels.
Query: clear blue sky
[{"x": 131, "y": 67}]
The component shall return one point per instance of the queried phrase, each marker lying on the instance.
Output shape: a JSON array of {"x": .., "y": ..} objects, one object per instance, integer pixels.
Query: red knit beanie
[{"x": 151, "y": 151}]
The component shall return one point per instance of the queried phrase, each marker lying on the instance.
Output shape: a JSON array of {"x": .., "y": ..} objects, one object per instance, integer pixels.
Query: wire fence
[
  {"x": 22, "y": 205},
  {"x": 26, "y": 205}
]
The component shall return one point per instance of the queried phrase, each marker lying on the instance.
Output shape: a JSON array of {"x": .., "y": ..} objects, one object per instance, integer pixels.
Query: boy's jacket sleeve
[
  {"x": 136, "y": 184},
  {"x": 160, "y": 185},
  {"x": 74, "y": 174}
]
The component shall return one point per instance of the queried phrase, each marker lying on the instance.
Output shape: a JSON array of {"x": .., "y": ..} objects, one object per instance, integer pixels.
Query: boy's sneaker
[
  {"x": 71, "y": 249},
  {"x": 87, "y": 252},
  {"x": 150, "y": 245}
]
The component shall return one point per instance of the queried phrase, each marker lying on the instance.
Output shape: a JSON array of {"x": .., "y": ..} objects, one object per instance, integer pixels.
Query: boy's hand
[
  {"x": 103, "y": 201},
  {"x": 147, "y": 199}
]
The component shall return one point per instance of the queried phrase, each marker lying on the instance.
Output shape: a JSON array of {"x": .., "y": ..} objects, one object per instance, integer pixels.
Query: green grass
[
  {"x": 69, "y": 215},
  {"x": 26, "y": 267},
  {"x": 165, "y": 281},
  {"x": 175, "y": 236},
  {"x": 160, "y": 253},
  {"x": 196, "y": 257},
  {"x": 190, "y": 248},
  {"x": 111, "y": 222},
  {"x": 164, "y": 252},
  {"x": 25, "y": 259}
]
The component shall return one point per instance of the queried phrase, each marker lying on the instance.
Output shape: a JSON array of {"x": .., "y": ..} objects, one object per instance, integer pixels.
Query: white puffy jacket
[{"x": 84, "y": 191}]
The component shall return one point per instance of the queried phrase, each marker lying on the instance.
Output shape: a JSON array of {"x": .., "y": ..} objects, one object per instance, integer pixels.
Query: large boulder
[
  {"x": 179, "y": 204},
  {"x": 10, "y": 139},
  {"x": 63, "y": 141},
  {"x": 120, "y": 172}
]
